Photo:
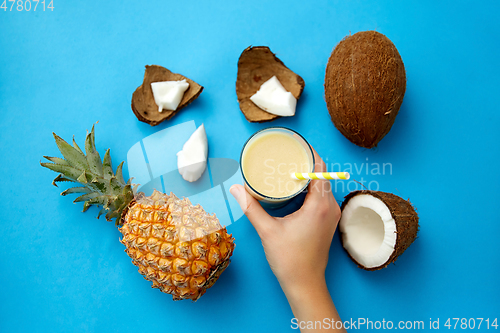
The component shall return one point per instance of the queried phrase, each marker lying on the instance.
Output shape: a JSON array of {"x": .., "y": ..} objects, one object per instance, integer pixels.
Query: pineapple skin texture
[{"x": 179, "y": 247}]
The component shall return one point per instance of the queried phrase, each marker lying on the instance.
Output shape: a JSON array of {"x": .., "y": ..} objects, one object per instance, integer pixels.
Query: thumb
[{"x": 259, "y": 218}]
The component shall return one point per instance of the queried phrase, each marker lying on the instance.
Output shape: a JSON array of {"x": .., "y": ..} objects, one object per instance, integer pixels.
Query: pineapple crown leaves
[{"x": 100, "y": 185}]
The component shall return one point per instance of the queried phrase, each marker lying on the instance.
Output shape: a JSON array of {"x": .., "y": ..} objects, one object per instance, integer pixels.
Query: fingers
[
  {"x": 318, "y": 189},
  {"x": 319, "y": 165},
  {"x": 259, "y": 218}
]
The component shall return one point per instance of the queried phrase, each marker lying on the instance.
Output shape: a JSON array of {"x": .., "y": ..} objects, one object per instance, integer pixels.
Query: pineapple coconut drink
[{"x": 177, "y": 246}]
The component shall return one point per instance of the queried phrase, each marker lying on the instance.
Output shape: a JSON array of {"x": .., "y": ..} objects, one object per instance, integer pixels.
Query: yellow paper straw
[{"x": 321, "y": 175}]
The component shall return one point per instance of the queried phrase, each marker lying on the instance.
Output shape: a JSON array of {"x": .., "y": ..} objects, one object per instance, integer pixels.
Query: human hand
[{"x": 297, "y": 245}]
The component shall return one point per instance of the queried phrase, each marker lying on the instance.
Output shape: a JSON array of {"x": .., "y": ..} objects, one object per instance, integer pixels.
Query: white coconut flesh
[
  {"x": 192, "y": 159},
  {"x": 272, "y": 97},
  {"x": 368, "y": 230},
  {"x": 168, "y": 94}
]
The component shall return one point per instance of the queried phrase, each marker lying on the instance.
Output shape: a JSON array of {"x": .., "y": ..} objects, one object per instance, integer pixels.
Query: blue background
[{"x": 61, "y": 71}]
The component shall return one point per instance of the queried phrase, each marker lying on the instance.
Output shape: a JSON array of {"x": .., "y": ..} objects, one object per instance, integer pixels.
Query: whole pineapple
[{"x": 178, "y": 246}]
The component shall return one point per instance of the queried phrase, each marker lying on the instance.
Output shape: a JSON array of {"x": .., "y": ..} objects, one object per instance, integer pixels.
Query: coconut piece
[
  {"x": 192, "y": 159},
  {"x": 143, "y": 102},
  {"x": 365, "y": 83},
  {"x": 376, "y": 228},
  {"x": 257, "y": 65},
  {"x": 273, "y": 98},
  {"x": 168, "y": 94}
]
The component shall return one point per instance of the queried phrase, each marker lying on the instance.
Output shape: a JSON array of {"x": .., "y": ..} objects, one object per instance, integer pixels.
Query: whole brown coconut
[
  {"x": 365, "y": 83},
  {"x": 376, "y": 228}
]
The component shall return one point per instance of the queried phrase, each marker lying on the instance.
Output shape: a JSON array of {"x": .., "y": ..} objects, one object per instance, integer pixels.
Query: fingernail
[
  {"x": 235, "y": 192},
  {"x": 239, "y": 194}
]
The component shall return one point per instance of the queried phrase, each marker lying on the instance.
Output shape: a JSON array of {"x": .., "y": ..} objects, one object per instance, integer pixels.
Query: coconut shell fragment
[
  {"x": 143, "y": 102},
  {"x": 257, "y": 65},
  {"x": 365, "y": 83},
  {"x": 403, "y": 217}
]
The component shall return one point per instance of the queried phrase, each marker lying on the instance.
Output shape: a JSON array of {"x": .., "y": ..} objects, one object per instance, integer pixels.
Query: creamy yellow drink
[{"x": 270, "y": 157}]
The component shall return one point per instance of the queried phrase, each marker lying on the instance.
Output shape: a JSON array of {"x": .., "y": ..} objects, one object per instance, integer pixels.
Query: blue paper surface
[
  {"x": 63, "y": 70},
  {"x": 153, "y": 166}
]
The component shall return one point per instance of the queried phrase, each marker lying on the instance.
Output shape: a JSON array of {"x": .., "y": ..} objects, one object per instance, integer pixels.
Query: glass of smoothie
[{"x": 268, "y": 158}]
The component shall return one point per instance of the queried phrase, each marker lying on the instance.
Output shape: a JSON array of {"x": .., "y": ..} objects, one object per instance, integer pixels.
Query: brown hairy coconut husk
[
  {"x": 365, "y": 83},
  {"x": 143, "y": 102},
  {"x": 256, "y": 65},
  {"x": 376, "y": 228}
]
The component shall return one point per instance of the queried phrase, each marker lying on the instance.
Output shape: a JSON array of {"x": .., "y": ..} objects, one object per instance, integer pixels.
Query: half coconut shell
[
  {"x": 405, "y": 219},
  {"x": 143, "y": 102},
  {"x": 256, "y": 65}
]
